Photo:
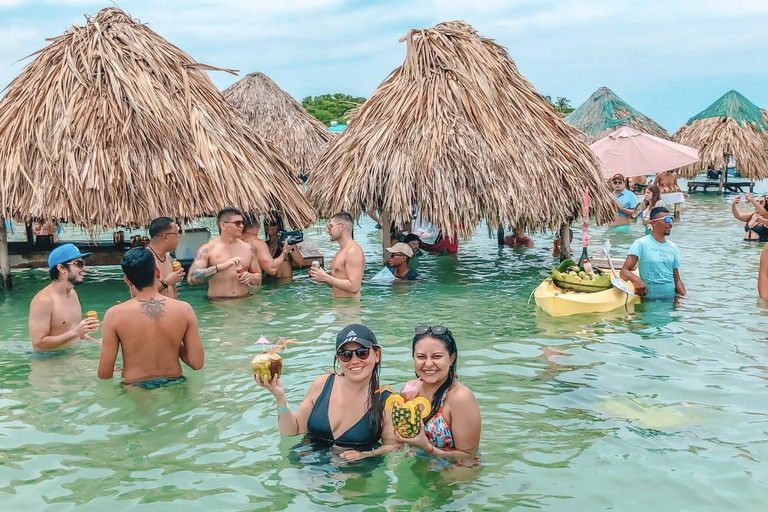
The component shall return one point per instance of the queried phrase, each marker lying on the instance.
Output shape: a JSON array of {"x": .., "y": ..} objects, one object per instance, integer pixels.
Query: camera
[{"x": 293, "y": 237}]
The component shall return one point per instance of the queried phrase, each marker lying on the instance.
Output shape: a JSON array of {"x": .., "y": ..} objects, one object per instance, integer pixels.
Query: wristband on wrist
[
  {"x": 217, "y": 268},
  {"x": 282, "y": 409}
]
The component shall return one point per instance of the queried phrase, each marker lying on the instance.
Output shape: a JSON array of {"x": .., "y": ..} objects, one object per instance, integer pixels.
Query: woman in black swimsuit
[
  {"x": 343, "y": 408},
  {"x": 755, "y": 224}
]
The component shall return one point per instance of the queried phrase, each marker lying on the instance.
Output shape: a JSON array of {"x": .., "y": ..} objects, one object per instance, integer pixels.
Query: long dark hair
[
  {"x": 450, "y": 346},
  {"x": 375, "y": 401},
  {"x": 655, "y": 195}
]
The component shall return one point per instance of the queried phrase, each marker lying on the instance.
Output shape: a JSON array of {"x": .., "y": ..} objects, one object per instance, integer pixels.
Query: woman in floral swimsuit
[{"x": 452, "y": 429}]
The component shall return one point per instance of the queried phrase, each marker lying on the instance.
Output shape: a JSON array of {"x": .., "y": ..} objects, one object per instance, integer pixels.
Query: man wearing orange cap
[{"x": 626, "y": 199}]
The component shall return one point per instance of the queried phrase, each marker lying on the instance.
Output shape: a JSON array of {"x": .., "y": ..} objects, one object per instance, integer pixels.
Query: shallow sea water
[{"x": 657, "y": 409}]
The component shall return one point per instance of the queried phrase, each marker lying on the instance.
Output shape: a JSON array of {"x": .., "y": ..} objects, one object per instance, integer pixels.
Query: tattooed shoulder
[{"x": 153, "y": 309}]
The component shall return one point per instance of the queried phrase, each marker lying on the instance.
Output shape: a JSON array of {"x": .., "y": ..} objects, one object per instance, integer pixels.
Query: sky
[{"x": 669, "y": 59}]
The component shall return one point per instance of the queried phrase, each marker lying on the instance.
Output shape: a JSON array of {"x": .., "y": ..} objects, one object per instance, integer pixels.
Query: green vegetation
[
  {"x": 562, "y": 105},
  {"x": 331, "y": 107}
]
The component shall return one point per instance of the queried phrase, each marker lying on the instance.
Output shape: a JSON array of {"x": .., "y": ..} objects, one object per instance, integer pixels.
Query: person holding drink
[
  {"x": 755, "y": 223},
  {"x": 164, "y": 238}
]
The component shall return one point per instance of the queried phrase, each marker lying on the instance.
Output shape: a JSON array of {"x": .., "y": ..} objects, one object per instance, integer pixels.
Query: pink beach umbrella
[{"x": 632, "y": 153}]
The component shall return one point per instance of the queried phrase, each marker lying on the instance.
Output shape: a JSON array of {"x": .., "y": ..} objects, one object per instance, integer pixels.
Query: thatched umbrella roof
[
  {"x": 459, "y": 132},
  {"x": 112, "y": 125},
  {"x": 731, "y": 125},
  {"x": 276, "y": 116},
  {"x": 604, "y": 112}
]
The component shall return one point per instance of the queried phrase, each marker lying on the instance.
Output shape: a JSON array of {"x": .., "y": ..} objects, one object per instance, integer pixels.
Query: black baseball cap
[{"x": 357, "y": 333}]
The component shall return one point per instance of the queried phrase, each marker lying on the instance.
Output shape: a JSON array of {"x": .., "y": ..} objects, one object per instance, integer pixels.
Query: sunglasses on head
[
  {"x": 345, "y": 355},
  {"x": 437, "y": 330},
  {"x": 667, "y": 219},
  {"x": 77, "y": 263}
]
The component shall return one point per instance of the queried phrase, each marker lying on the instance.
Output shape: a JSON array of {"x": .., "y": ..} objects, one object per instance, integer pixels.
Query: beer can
[
  {"x": 92, "y": 314},
  {"x": 176, "y": 266}
]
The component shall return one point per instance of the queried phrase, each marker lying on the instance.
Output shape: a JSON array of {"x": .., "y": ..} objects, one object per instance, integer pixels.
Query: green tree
[
  {"x": 331, "y": 107},
  {"x": 561, "y": 106}
]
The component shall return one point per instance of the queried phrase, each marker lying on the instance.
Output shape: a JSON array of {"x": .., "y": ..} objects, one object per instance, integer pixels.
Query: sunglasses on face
[
  {"x": 667, "y": 220},
  {"x": 237, "y": 223},
  {"x": 77, "y": 263},
  {"x": 345, "y": 355},
  {"x": 437, "y": 330},
  {"x": 170, "y": 233},
  {"x": 398, "y": 254},
  {"x": 617, "y": 181}
]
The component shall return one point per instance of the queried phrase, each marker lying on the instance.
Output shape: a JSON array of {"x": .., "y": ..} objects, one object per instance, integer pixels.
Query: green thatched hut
[
  {"x": 732, "y": 125},
  {"x": 604, "y": 112}
]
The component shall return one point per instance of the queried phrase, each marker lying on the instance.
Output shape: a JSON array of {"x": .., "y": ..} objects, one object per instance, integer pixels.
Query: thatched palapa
[
  {"x": 604, "y": 112},
  {"x": 112, "y": 125},
  {"x": 731, "y": 125},
  {"x": 459, "y": 132},
  {"x": 278, "y": 117}
]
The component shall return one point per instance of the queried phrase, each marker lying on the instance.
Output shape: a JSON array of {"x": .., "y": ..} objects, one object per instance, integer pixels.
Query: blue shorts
[{"x": 156, "y": 383}]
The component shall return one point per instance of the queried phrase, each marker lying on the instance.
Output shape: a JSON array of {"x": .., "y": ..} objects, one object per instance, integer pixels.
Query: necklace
[{"x": 161, "y": 260}]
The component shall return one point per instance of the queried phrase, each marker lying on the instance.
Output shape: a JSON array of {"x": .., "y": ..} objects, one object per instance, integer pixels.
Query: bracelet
[
  {"x": 282, "y": 409},
  {"x": 165, "y": 285},
  {"x": 217, "y": 268},
  {"x": 431, "y": 449}
]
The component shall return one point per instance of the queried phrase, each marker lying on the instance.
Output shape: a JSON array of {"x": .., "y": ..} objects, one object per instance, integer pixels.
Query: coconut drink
[
  {"x": 406, "y": 415},
  {"x": 267, "y": 365}
]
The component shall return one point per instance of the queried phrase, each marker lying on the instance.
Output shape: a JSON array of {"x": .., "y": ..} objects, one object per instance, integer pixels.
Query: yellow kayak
[{"x": 559, "y": 302}]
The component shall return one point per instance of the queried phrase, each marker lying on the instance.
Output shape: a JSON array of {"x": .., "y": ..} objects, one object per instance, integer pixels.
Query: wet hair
[
  {"x": 450, "y": 345},
  {"x": 159, "y": 226},
  {"x": 226, "y": 213},
  {"x": 411, "y": 238},
  {"x": 139, "y": 267},
  {"x": 346, "y": 219},
  {"x": 249, "y": 221},
  {"x": 54, "y": 273},
  {"x": 655, "y": 194},
  {"x": 375, "y": 402},
  {"x": 658, "y": 210}
]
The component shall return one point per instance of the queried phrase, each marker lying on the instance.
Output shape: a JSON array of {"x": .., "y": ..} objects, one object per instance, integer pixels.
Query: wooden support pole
[
  {"x": 386, "y": 224},
  {"x": 565, "y": 242},
  {"x": 677, "y": 210},
  {"x": 500, "y": 236},
  {"x": 5, "y": 259}
]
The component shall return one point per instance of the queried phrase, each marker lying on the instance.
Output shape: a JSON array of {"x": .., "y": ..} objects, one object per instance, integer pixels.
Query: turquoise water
[{"x": 661, "y": 409}]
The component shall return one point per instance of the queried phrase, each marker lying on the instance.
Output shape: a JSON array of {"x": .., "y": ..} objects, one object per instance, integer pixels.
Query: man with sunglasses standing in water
[
  {"x": 626, "y": 198},
  {"x": 657, "y": 259},
  {"x": 348, "y": 263},
  {"x": 164, "y": 237},
  {"x": 55, "y": 315},
  {"x": 228, "y": 264}
]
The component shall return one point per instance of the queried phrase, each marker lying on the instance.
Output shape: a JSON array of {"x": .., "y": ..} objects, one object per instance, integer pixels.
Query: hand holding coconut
[{"x": 267, "y": 367}]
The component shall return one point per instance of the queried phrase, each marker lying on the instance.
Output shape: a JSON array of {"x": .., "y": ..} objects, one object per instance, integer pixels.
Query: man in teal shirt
[
  {"x": 626, "y": 199},
  {"x": 657, "y": 259}
]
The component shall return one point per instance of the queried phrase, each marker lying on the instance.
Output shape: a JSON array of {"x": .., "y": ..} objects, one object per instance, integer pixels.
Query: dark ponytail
[{"x": 450, "y": 345}]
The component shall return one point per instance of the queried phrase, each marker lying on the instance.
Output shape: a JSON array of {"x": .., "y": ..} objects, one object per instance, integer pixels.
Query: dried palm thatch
[
  {"x": 731, "y": 125},
  {"x": 280, "y": 119},
  {"x": 112, "y": 125},
  {"x": 459, "y": 132},
  {"x": 604, "y": 112}
]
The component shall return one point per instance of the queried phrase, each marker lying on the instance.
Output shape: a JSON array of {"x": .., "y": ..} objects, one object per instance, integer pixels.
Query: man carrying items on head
[
  {"x": 55, "y": 315},
  {"x": 626, "y": 199},
  {"x": 401, "y": 254},
  {"x": 657, "y": 259},
  {"x": 164, "y": 238},
  {"x": 152, "y": 331},
  {"x": 348, "y": 263},
  {"x": 226, "y": 261}
]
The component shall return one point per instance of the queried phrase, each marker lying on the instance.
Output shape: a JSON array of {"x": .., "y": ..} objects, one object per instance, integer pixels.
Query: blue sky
[{"x": 668, "y": 58}]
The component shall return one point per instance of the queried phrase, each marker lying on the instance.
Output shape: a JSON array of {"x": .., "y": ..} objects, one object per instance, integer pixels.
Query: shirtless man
[
  {"x": 55, "y": 315},
  {"x": 517, "y": 241},
  {"x": 152, "y": 330},
  {"x": 219, "y": 260},
  {"x": 281, "y": 266},
  {"x": 762, "y": 274},
  {"x": 164, "y": 238},
  {"x": 348, "y": 263}
]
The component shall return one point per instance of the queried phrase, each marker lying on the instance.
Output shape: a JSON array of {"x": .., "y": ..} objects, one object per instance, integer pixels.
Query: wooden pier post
[
  {"x": 386, "y": 224},
  {"x": 5, "y": 259}
]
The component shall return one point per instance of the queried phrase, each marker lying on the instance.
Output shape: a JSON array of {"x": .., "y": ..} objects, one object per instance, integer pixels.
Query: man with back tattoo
[
  {"x": 153, "y": 331},
  {"x": 228, "y": 264}
]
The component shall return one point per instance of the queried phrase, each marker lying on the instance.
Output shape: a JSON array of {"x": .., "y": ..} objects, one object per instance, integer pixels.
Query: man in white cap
[
  {"x": 398, "y": 261},
  {"x": 55, "y": 315}
]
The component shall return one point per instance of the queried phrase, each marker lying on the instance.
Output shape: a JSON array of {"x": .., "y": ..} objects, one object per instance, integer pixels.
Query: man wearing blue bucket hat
[{"x": 55, "y": 313}]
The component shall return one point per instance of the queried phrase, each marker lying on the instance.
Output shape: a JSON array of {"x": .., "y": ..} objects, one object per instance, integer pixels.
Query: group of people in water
[{"x": 156, "y": 332}]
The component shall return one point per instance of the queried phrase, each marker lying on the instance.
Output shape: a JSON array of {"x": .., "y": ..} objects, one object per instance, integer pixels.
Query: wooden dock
[{"x": 735, "y": 185}]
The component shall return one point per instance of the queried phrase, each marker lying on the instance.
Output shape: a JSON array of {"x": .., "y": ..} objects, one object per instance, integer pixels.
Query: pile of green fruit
[{"x": 570, "y": 277}]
